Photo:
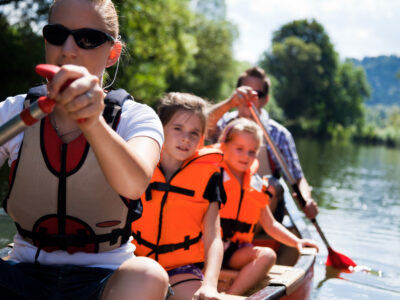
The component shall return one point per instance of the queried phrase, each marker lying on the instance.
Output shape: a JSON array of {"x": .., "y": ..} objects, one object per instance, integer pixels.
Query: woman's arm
[
  {"x": 128, "y": 166},
  {"x": 213, "y": 250}
]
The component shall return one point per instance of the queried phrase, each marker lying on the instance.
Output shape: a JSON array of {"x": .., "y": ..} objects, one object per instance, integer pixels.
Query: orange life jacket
[
  {"x": 171, "y": 226},
  {"x": 242, "y": 209},
  {"x": 61, "y": 199}
]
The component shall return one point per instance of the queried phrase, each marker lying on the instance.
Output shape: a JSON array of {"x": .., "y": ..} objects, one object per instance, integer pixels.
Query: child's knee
[
  {"x": 146, "y": 274},
  {"x": 152, "y": 270},
  {"x": 266, "y": 254}
]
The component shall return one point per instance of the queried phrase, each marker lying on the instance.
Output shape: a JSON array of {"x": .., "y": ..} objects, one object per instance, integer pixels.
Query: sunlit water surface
[{"x": 358, "y": 192}]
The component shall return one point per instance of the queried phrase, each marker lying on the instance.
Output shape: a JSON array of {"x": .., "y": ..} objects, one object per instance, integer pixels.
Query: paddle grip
[{"x": 48, "y": 71}]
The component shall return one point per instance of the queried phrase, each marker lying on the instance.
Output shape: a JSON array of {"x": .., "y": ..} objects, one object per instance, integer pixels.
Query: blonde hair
[
  {"x": 106, "y": 9},
  {"x": 241, "y": 125},
  {"x": 173, "y": 102}
]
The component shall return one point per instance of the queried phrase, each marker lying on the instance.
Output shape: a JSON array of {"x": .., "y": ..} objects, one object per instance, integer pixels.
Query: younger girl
[
  {"x": 180, "y": 223},
  {"x": 246, "y": 205}
]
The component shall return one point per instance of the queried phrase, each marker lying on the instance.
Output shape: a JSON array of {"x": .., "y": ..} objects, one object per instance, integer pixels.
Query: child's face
[
  {"x": 182, "y": 136},
  {"x": 240, "y": 152}
]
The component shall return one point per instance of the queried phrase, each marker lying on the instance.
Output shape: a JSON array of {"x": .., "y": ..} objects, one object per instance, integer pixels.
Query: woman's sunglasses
[{"x": 85, "y": 38}]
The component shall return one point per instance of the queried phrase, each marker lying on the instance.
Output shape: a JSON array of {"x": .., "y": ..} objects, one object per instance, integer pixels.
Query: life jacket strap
[
  {"x": 166, "y": 187},
  {"x": 80, "y": 239},
  {"x": 166, "y": 248},
  {"x": 230, "y": 226}
]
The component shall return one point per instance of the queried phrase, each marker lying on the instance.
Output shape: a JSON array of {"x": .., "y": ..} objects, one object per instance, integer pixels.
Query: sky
[{"x": 357, "y": 28}]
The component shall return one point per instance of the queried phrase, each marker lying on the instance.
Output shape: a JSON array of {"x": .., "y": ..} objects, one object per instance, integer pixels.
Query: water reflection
[{"x": 358, "y": 190}]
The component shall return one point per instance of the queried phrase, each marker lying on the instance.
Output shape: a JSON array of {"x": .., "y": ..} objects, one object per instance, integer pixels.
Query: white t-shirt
[{"x": 136, "y": 120}]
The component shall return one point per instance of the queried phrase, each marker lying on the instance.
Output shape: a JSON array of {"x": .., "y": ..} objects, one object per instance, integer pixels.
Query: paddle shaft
[
  {"x": 27, "y": 117},
  {"x": 293, "y": 183}
]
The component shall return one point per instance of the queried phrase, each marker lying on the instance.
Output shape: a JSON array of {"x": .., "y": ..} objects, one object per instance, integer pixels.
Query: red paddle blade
[{"x": 338, "y": 260}]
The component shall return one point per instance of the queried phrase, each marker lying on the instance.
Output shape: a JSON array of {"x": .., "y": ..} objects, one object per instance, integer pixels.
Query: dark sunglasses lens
[
  {"x": 261, "y": 94},
  {"x": 89, "y": 38},
  {"x": 55, "y": 34}
]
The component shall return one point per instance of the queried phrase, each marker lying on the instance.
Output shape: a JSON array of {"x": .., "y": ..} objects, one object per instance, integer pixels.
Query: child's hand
[
  {"x": 206, "y": 292},
  {"x": 306, "y": 243}
]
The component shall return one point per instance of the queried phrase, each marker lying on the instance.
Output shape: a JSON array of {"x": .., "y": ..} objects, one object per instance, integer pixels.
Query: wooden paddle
[{"x": 335, "y": 259}]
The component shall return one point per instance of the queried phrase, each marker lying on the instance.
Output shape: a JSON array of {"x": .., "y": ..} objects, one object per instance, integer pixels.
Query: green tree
[
  {"x": 312, "y": 87},
  {"x": 297, "y": 68},
  {"x": 158, "y": 45},
  {"x": 213, "y": 63},
  {"x": 25, "y": 11},
  {"x": 351, "y": 89},
  {"x": 18, "y": 68}
]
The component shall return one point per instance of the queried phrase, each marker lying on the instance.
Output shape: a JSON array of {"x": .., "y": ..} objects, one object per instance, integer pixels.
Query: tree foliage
[
  {"x": 352, "y": 89},
  {"x": 297, "y": 68},
  {"x": 158, "y": 45},
  {"x": 213, "y": 60},
  {"x": 26, "y": 11},
  {"x": 313, "y": 88},
  {"x": 18, "y": 67}
]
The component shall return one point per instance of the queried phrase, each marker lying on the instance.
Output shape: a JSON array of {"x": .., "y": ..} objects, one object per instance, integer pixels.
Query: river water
[{"x": 357, "y": 188}]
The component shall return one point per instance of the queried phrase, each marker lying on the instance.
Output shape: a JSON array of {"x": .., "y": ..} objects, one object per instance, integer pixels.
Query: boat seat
[{"x": 279, "y": 275}]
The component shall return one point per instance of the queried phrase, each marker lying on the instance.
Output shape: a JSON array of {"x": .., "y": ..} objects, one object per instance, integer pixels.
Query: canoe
[{"x": 292, "y": 276}]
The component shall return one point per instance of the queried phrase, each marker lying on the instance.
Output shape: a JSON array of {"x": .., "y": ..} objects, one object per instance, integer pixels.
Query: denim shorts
[{"x": 34, "y": 281}]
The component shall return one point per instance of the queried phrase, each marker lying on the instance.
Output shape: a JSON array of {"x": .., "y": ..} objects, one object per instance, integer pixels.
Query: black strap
[
  {"x": 80, "y": 239},
  {"x": 186, "y": 280},
  {"x": 166, "y": 187},
  {"x": 113, "y": 103},
  {"x": 166, "y": 248},
  {"x": 230, "y": 226}
]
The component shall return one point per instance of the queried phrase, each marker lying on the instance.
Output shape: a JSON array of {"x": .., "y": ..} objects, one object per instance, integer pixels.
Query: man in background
[{"x": 253, "y": 86}]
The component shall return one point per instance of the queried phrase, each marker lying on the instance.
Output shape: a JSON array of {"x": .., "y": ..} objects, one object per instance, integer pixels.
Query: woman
[{"x": 73, "y": 175}]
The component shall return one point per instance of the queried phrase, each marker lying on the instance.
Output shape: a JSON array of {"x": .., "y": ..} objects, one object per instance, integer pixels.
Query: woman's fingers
[
  {"x": 83, "y": 98},
  {"x": 90, "y": 97},
  {"x": 65, "y": 74}
]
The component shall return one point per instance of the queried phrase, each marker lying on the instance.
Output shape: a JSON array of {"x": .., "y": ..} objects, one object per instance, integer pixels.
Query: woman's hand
[
  {"x": 83, "y": 99},
  {"x": 206, "y": 292}
]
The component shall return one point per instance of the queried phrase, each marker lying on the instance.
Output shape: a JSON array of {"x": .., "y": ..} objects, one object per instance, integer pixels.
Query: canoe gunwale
[{"x": 276, "y": 290}]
